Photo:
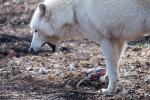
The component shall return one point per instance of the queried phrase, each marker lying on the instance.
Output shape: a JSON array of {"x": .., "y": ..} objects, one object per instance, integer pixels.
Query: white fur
[{"x": 108, "y": 22}]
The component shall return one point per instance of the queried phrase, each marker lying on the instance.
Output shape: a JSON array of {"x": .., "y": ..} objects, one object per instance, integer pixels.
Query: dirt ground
[{"x": 21, "y": 78}]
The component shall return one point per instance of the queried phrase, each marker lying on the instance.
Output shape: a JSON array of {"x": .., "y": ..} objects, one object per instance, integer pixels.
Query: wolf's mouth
[{"x": 53, "y": 46}]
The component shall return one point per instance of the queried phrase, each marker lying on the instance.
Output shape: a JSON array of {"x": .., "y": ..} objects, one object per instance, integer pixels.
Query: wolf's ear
[{"x": 42, "y": 9}]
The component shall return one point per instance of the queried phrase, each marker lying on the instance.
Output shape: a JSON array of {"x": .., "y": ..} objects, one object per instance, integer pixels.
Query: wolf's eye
[{"x": 35, "y": 31}]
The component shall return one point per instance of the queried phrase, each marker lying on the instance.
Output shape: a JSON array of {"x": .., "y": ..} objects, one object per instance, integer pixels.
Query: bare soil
[{"x": 20, "y": 78}]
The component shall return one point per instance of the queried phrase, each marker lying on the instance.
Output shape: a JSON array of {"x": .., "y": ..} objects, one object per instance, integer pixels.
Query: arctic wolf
[{"x": 110, "y": 23}]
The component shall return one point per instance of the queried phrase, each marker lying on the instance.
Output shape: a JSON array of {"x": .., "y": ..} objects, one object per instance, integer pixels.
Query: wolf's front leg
[{"x": 112, "y": 50}]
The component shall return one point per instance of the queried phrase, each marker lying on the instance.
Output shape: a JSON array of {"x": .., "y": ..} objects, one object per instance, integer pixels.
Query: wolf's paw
[
  {"x": 107, "y": 92},
  {"x": 104, "y": 91}
]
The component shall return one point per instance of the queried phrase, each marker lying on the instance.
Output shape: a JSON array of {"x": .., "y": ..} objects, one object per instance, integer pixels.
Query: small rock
[
  {"x": 125, "y": 91},
  {"x": 147, "y": 79},
  {"x": 147, "y": 95},
  {"x": 71, "y": 67},
  {"x": 42, "y": 71},
  {"x": 30, "y": 68}
]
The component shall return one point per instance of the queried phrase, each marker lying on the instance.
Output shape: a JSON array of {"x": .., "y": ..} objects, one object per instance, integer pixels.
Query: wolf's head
[{"x": 51, "y": 22}]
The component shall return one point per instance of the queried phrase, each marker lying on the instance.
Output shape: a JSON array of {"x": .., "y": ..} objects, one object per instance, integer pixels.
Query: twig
[
  {"x": 84, "y": 92},
  {"x": 55, "y": 96},
  {"x": 79, "y": 83},
  {"x": 1, "y": 25}
]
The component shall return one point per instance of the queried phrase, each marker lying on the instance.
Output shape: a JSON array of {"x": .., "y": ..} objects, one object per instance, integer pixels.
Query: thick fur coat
[{"x": 109, "y": 23}]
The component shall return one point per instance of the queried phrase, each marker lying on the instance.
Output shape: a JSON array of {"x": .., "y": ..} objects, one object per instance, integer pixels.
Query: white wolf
[{"x": 110, "y": 23}]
